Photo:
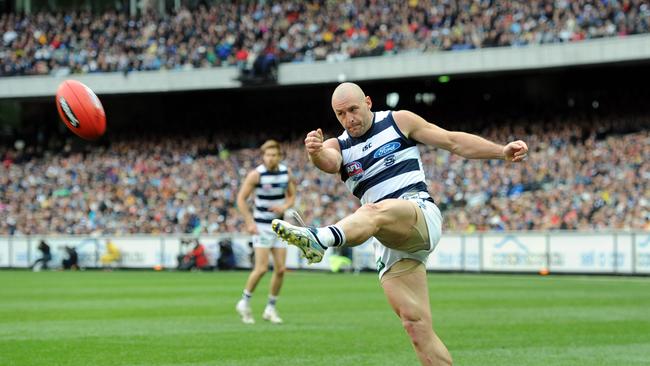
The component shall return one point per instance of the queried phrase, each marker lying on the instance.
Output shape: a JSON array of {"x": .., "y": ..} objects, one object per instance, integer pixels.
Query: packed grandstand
[
  {"x": 236, "y": 33},
  {"x": 581, "y": 175},
  {"x": 588, "y": 172}
]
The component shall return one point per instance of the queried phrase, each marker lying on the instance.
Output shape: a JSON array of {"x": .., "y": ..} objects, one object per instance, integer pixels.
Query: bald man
[{"x": 379, "y": 162}]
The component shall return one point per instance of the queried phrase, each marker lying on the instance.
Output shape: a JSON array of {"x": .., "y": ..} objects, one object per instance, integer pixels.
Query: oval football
[{"x": 80, "y": 110}]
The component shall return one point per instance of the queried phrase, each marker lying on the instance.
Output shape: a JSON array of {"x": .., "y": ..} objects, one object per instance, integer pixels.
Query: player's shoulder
[
  {"x": 382, "y": 115},
  {"x": 256, "y": 173},
  {"x": 405, "y": 116},
  {"x": 341, "y": 142},
  {"x": 407, "y": 121}
]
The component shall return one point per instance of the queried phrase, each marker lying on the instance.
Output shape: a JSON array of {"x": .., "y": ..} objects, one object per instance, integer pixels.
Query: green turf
[{"x": 167, "y": 318}]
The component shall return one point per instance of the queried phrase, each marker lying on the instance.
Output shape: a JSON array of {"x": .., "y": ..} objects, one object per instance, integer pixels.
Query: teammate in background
[
  {"x": 379, "y": 162},
  {"x": 274, "y": 193}
]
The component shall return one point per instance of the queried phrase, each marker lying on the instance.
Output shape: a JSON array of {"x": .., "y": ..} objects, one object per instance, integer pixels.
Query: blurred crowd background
[
  {"x": 591, "y": 174},
  {"x": 588, "y": 129},
  {"x": 239, "y": 32}
]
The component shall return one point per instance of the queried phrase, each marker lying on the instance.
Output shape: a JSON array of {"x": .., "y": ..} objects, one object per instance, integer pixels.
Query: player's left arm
[{"x": 464, "y": 144}]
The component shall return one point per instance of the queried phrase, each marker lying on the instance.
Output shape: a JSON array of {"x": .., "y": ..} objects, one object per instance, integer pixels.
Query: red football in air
[{"x": 80, "y": 110}]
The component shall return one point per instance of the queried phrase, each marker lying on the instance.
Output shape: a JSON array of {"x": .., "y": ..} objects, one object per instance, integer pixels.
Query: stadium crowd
[
  {"x": 583, "y": 175},
  {"x": 237, "y": 33}
]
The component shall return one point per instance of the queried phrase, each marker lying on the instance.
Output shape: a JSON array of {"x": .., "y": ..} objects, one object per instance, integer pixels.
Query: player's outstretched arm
[
  {"x": 326, "y": 155},
  {"x": 461, "y": 143}
]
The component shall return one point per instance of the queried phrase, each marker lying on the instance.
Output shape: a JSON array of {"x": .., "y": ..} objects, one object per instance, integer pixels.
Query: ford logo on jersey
[{"x": 386, "y": 149}]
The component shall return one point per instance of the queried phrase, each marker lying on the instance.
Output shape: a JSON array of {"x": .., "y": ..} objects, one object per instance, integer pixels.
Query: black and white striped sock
[{"x": 331, "y": 236}]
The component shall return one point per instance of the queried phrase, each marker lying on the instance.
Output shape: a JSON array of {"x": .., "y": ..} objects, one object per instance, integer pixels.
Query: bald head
[
  {"x": 347, "y": 92},
  {"x": 352, "y": 108}
]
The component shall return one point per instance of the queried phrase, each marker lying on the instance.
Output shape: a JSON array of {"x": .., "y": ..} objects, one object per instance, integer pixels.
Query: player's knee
[
  {"x": 369, "y": 209},
  {"x": 260, "y": 271},
  {"x": 413, "y": 328},
  {"x": 416, "y": 326},
  {"x": 280, "y": 270},
  {"x": 376, "y": 213}
]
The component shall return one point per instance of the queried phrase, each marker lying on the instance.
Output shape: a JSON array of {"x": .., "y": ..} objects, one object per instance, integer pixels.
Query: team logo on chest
[
  {"x": 386, "y": 149},
  {"x": 389, "y": 160},
  {"x": 354, "y": 170}
]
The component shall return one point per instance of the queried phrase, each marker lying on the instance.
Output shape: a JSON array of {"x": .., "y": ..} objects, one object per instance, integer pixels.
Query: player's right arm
[
  {"x": 252, "y": 178},
  {"x": 326, "y": 155}
]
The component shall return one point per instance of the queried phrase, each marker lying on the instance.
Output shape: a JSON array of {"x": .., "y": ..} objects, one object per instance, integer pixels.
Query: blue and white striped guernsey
[
  {"x": 383, "y": 163},
  {"x": 269, "y": 192}
]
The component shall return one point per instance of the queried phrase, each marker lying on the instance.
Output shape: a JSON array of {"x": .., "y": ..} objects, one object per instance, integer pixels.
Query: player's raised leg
[
  {"x": 408, "y": 295},
  {"x": 392, "y": 221},
  {"x": 305, "y": 238}
]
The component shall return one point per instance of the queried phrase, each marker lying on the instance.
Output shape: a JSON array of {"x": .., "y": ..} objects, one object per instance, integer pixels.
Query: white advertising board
[
  {"x": 642, "y": 249},
  {"x": 472, "y": 253},
  {"x": 583, "y": 252},
  {"x": 138, "y": 252},
  {"x": 514, "y": 252},
  {"x": 624, "y": 254},
  {"x": 560, "y": 252},
  {"x": 448, "y": 254},
  {"x": 4, "y": 252},
  {"x": 19, "y": 252}
]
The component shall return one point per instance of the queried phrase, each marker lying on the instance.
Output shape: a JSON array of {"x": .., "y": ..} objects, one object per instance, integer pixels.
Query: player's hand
[
  {"x": 314, "y": 142},
  {"x": 251, "y": 228},
  {"x": 515, "y": 151},
  {"x": 277, "y": 210}
]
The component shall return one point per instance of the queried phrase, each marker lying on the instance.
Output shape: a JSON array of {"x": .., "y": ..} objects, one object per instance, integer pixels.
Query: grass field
[{"x": 168, "y": 318}]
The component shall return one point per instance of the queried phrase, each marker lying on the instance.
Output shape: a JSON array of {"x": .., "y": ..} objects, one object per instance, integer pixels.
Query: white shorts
[
  {"x": 386, "y": 257},
  {"x": 267, "y": 238}
]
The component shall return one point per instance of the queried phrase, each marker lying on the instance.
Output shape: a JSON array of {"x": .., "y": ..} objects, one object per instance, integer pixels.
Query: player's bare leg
[
  {"x": 259, "y": 269},
  {"x": 279, "y": 268},
  {"x": 400, "y": 225},
  {"x": 409, "y": 297},
  {"x": 392, "y": 221}
]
